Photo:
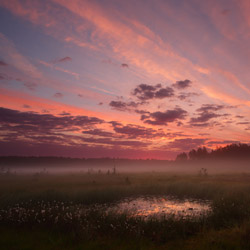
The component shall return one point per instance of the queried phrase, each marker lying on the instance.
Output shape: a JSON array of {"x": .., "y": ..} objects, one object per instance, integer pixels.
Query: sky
[{"x": 145, "y": 79}]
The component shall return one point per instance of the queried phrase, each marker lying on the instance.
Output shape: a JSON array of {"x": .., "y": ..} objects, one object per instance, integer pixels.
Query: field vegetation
[{"x": 45, "y": 211}]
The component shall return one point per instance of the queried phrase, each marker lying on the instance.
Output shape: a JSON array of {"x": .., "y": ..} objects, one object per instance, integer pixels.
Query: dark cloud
[
  {"x": 243, "y": 123},
  {"x": 179, "y": 123},
  {"x": 205, "y": 124},
  {"x": 80, "y": 95},
  {"x": 64, "y": 113},
  {"x": 239, "y": 116},
  {"x": 211, "y": 107},
  {"x": 182, "y": 84},
  {"x": 164, "y": 92},
  {"x": 204, "y": 117},
  {"x": 162, "y": 118},
  {"x": 98, "y": 132},
  {"x": 110, "y": 141},
  {"x": 100, "y": 103},
  {"x": 58, "y": 95},
  {"x": 207, "y": 112},
  {"x": 211, "y": 143},
  {"x": 2, "y": 77},
  {"x": 141, "y": 112},
  {"x": 203, "y": 134},
  {"x": 124, "y": 65},
  {"x": 35, "y": 122},
  {"x": 146, "y": 92},
  {"x": 185, "y": 96},
  {"x": 2, "y": 63},
  {"x": 62, "y": 60},
  {"x": 136, "y": 131},
  {"x": 123, "y": 106},
  {"x": 46, "y": 128}
]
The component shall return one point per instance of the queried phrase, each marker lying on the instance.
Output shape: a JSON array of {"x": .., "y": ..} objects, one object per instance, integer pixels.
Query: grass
[{"x": 42, "y": 212}]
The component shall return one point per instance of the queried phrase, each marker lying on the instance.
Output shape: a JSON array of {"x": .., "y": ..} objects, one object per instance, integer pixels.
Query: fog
[{"x": 111, "y": 166}]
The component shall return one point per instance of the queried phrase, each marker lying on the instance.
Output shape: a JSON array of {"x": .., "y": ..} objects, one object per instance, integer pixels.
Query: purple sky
[{"x": 135, "y": 79}]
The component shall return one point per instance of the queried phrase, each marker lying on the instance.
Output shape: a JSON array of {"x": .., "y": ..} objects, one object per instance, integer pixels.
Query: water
[
  {"x": 144, "y": 207},
  {"x": 162, "y": 207}
]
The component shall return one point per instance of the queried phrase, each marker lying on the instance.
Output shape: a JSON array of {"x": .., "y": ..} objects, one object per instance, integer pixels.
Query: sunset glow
[{"x": 127, "y": 79}]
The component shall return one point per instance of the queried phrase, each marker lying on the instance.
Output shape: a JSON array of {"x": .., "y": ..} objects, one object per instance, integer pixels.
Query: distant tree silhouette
[
  {"x": 232, "y": 151},
  {"x": 200, "y": 153},
  {"x": 182, "y": 157},
  {"x": 192, "y": 154}
]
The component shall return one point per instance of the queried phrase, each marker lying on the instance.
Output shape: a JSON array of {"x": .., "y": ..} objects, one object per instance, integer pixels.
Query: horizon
[{"x": 125, "y": 80}]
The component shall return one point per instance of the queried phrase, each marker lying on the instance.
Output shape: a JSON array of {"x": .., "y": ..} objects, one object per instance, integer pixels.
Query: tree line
[{"x": 232, "y": 151}]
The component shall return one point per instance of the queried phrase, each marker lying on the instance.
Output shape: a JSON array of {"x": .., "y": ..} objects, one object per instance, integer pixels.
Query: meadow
[{"x": 69, "y": 211}]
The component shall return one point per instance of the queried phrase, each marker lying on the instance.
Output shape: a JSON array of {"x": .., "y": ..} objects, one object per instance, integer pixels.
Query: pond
[{"x": 162, "y": 206}]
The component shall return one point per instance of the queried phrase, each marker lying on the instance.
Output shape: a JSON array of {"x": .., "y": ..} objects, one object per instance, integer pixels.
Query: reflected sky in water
[{"x": 163, "y": 206}]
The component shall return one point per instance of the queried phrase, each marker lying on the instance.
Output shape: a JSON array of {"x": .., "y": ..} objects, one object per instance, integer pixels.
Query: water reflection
[{"x": 163, "y": 206}]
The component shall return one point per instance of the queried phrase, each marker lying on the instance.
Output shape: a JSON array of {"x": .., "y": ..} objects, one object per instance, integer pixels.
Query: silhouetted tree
[
  {"x": 181, "y": 157},
  {"x": 192, "y": 154},
  {"x": 233, "y": 151}
]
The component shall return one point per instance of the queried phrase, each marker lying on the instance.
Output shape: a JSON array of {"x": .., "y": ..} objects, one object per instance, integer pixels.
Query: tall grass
[{"x": 73, "y": 205}]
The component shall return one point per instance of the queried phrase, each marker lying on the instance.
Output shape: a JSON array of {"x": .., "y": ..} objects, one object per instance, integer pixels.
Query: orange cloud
[{"x": 16, "y": 100}]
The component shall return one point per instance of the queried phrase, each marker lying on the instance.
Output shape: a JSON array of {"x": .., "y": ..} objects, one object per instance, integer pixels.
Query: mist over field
[
  {"x": 133, "y": 166},
  {"x": 234, "y": 158}
]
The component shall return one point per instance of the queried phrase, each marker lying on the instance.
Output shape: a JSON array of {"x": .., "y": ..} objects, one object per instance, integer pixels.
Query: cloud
[
  {"x": 124, "y": 65},
  {"x": 210, "y": 143},
  {"x": 182, "y": 84},
  {"x": 146, "y": 92},
  {"x": 2, "y": 63},
  {"x": 62, "y": 60},
  {"x": 98, "y": 132},
  {"x": 185, "y": 96},
  {"x": 164, "y": 92},
  {"x": 65, "y": 113},
  {"x": 53, "y": 66},
  {"x": 109, "y": 141},
  {"x": 186, "y": 144},
  {"x": 47, "y": 128},
  {"x": 136, "y": 131},
  {"x": 30, "y": 85},
  {"x": 123, "y": 106},
  {"x": 211, "y": 107},
  {"x": 162, "y": 118},
  {"x": 207, "y": 112},
  {"x": 17, "y": 60},
  {"x": 204, "y": 117},
  {"x": 58, "y": 95},
  {"x": 243, "y": 123},
  {"x": 141, "y": 112},
  {"x": 33, "y": 122}
]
